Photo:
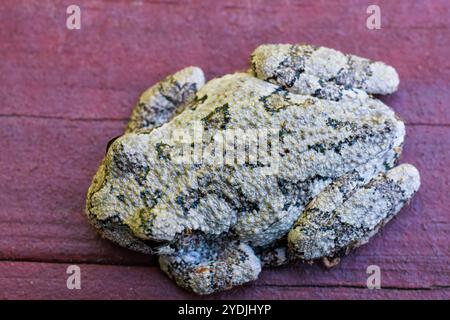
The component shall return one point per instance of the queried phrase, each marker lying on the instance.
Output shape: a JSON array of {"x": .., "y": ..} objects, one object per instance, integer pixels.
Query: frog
[{"x": 329, "y": 180}]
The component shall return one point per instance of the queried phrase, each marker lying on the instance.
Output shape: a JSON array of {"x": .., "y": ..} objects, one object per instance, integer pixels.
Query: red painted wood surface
[{"x": 65, "y": 93}]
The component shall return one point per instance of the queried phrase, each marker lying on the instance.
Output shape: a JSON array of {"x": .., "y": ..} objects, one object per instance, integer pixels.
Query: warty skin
[{"x": 214, "y": 227}]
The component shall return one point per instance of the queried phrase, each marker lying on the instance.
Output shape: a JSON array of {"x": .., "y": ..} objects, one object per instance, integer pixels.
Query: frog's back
[{"x": 146, "y": 186}]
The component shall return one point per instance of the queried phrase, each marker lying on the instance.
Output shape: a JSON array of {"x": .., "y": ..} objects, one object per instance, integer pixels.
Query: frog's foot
[
  {"x": 205, "y": 265},
  {"x": 345, "y": 215},
  {"x": 322, "y": 72},
  {"x": 158, "y": 104}
]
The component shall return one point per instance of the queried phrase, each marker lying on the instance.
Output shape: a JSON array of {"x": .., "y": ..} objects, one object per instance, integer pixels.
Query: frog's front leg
[
  {"x": 205, "y": 265},
  {"x": 346, "y": 215},
  {"x": 158, "y": 104}
]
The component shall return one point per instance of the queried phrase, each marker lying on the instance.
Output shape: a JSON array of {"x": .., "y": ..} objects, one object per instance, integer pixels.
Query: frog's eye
[{"x": 110, "y": 142}]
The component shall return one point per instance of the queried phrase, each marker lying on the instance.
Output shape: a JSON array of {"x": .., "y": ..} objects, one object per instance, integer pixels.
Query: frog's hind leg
[
  {"x": 205, "y": 265},
  {"x": 158, "y": 104},
  {"x": 322, "y": 72},
  {"x": 346, "y": 215}
]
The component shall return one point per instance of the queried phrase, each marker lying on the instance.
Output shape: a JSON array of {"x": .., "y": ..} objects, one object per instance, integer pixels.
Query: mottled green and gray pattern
[{"x": 215, "y": 225}]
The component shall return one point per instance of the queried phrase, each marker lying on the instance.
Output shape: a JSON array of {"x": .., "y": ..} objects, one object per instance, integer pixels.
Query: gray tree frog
[{"x": 214, "y": 226}]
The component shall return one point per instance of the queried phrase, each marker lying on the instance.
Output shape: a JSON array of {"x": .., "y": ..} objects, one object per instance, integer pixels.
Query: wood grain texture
[
  {"x": 48, "y": 281},
  {"x": 64, "y": 94}
]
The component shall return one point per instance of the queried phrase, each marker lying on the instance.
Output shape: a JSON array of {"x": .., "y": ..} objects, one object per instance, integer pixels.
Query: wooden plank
[
  {"x": 30, "y": 280},
  {"x": 99, "y": 71}
]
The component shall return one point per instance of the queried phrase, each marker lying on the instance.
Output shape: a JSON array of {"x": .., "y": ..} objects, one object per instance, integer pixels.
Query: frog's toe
[
  {"x": 322, "y": 72},
  {"x": 165, "y": 99},
  {"x": 341, "y": 219},
  {"x": 205, "y": 266}
]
